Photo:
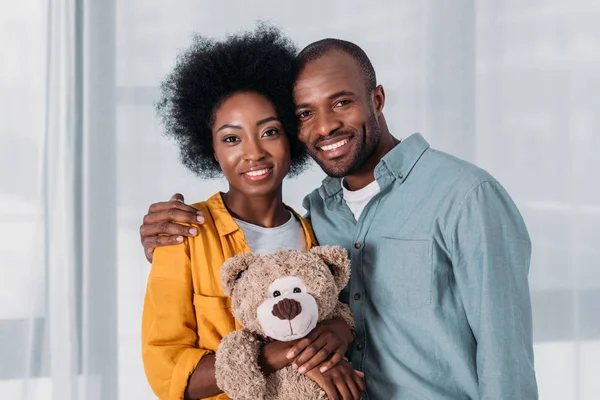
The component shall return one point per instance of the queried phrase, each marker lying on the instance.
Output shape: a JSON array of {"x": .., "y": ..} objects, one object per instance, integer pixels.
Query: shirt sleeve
[
  {"x": 491, "y": 252},
  {"x": 169, "y": 334}
]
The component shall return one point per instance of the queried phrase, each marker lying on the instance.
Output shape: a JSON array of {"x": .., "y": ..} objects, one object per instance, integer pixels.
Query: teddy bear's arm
[
  {"x": 236, "y": 366},
  {"x": 343, "y": 311}
]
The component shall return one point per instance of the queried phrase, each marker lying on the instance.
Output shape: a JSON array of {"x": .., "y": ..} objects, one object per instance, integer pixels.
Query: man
[{"x": 439, "y": 252}]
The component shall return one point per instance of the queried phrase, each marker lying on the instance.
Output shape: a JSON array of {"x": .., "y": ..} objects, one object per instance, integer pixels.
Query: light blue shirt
[{"x": 438, "y": 287}]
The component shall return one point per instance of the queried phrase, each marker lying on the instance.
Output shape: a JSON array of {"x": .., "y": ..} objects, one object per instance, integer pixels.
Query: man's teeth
[
  {"x": 258, "y": 173},
  {"x": 335, "y": 145}
]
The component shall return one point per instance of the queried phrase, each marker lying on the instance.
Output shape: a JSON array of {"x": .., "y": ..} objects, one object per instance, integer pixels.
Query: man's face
[{"x": 337, "y": 114}]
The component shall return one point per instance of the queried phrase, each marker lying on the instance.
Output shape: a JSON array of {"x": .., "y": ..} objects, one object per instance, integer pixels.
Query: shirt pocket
[
  {"x": 402, "y": 278},
  {"x": 215, "y": 319}
]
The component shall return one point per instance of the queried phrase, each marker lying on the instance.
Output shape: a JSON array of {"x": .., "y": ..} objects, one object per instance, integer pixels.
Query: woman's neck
[{"x": 266, "y": 211}]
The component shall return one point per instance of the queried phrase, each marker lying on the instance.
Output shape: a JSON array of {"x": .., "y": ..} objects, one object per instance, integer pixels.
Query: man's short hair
[{"x": 318, "y": 49}]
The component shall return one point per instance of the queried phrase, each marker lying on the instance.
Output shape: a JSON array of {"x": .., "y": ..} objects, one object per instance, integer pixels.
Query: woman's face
[{"x": 250, "y": 144}]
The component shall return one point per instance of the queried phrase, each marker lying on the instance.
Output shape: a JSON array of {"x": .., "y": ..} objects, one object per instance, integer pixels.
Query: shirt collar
[
  {"x": 398, "y": 163},
  {"x": 226, "y": 225},
  {"x": 223, "y": 219}
]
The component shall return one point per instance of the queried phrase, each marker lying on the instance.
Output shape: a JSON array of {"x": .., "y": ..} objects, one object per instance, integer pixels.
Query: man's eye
[
  {"x": 303, "y": 114},
  {"x": 342, "y": 103}
]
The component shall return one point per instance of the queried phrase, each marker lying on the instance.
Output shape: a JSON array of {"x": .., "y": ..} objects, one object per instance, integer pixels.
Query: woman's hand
[
  {"x": 273, "y": 356},
  {"x": 325, "y": 346},
  {"x": 341, "y": 382}
]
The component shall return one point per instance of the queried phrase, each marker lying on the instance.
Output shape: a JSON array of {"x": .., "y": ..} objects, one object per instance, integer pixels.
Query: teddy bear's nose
[{"x": 287, "y": 309}]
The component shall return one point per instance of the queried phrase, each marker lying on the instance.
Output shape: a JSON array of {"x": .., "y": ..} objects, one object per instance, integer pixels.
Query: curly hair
[{"x": 209, "y": 72}]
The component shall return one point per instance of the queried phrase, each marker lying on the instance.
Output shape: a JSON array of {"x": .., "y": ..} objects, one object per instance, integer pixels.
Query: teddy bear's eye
[
  {"x": 276, "y": 293},
  {"x": 297, "y": 290}
]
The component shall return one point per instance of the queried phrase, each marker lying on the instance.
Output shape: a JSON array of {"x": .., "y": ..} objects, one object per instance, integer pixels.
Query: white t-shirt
[
  {"x": 267, "y": 240},
  {"x": 358, "y": 199}
]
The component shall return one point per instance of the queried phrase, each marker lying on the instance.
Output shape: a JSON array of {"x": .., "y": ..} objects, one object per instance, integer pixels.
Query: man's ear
[
  {"x": 378, "y": 99},
  {"x": 233, "y": 269},
  {"x": 336, "y": 258}
]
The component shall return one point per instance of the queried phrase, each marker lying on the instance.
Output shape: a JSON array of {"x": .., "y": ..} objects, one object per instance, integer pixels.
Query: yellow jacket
[{"x": 186, "y": 313}]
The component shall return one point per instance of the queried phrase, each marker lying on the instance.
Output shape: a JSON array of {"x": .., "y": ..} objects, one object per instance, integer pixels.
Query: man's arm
[
  {"x": 490, "y": 256},
  {"x": 161, "y": 226}
]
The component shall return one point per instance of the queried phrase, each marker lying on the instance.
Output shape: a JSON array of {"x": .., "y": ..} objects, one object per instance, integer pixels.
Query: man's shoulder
[
  {"x": 313, "y": 199},
  {"x": 461, "y": 174}
]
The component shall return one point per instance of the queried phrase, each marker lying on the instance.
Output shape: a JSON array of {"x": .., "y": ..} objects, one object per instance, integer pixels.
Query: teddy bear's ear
[
  {"x": 336, "y": 258},
  {"x": 233, "y": 269}
]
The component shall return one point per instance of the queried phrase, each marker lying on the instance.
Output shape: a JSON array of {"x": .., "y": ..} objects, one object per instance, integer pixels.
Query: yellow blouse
[{"x": 186, "y": 313}]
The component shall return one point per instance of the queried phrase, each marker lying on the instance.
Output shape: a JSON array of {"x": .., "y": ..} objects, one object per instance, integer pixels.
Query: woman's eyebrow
[{"x": 265, "y": 120}]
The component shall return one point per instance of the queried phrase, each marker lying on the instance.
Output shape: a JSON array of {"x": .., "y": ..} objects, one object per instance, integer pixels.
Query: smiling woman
[
  {"x": 229, "y": 105},
  {"x": 250, "y": 145}
]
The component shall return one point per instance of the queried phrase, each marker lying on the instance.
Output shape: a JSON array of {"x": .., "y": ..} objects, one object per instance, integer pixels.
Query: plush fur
[{"x": 286, "y": 283}]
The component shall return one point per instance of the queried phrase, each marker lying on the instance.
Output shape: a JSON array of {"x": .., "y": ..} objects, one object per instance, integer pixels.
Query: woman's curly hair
[{"x": 209, "y": 72}]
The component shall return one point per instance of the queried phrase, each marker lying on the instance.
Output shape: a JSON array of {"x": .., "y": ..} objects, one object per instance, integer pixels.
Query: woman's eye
[
  {"x": 297, "y": 290},
  {"x": 270, "y": 132},
  {"x": 230, "y": 139},
  {"x": 276, "y": 293}
]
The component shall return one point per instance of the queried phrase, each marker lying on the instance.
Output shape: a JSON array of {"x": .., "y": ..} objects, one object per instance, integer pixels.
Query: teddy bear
[{"x": 280, "y": 296}]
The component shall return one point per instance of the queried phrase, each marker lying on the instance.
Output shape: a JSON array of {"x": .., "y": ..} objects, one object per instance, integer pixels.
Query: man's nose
[
  {"x": 287, "y": 309},
  {"x": 326, "y": 123}
]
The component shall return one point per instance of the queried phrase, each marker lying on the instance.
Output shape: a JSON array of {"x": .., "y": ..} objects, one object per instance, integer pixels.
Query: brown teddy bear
[{"x": 278, "y": 296}]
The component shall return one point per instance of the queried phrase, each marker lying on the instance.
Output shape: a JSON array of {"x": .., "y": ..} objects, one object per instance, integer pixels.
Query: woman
[{"x": 229, "y": 106}]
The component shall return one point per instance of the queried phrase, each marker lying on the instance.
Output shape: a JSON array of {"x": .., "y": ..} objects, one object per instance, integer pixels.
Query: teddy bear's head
[{"x": 284, "y": 294}]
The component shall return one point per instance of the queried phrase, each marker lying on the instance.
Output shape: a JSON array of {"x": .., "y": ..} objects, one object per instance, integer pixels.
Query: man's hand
[
  {"x": 341, "y": 382},
  {"x": 160, "y": 228},
  {"x": 324, "y": 346}
]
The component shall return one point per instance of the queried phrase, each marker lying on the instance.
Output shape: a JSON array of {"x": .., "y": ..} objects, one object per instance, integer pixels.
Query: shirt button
[
  {"x": 357, "y": 245},
  {"x": 359, "y": 347},
  {"x": 400, "y": 176},
  {"x": 356, "y": 296}
]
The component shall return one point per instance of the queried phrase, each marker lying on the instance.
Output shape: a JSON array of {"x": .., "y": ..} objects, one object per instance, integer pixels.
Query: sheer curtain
[{"x": 510, "y": 86}]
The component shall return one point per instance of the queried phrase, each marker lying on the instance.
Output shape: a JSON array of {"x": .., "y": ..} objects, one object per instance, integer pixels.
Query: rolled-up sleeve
[
  {"x": 169, "y": 333},
  {"x": 490, "y": 255}
]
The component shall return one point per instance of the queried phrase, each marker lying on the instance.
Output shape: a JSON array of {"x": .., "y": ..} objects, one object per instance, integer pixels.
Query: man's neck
[{"x": 266, "y": 211}]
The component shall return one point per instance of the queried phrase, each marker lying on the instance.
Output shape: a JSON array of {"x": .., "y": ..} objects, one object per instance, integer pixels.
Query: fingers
[
  {"x": 166, "y": 227},
  {"x": 358, "y": 376},
  {"x": 353, "y": 383},
  {"x": 177, "y": 197},
  {"x": 330, "y": 390},
  {"x": 332, "y": 362},
  {"x": 316, "y": 348},
  {"x": 151, "y": 242},
  {"x": 318, "y": 358},
  {"x": 173, "y": 211},
  {"x": 148, "y": 253},
  {"x": 354, "y": 391},
  {"x": 299, "y": 347},
  {"x": 343, "y": 382}
]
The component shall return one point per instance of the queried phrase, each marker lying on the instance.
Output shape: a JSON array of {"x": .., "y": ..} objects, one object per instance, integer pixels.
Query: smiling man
[{"x": 439, "y": 252}]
